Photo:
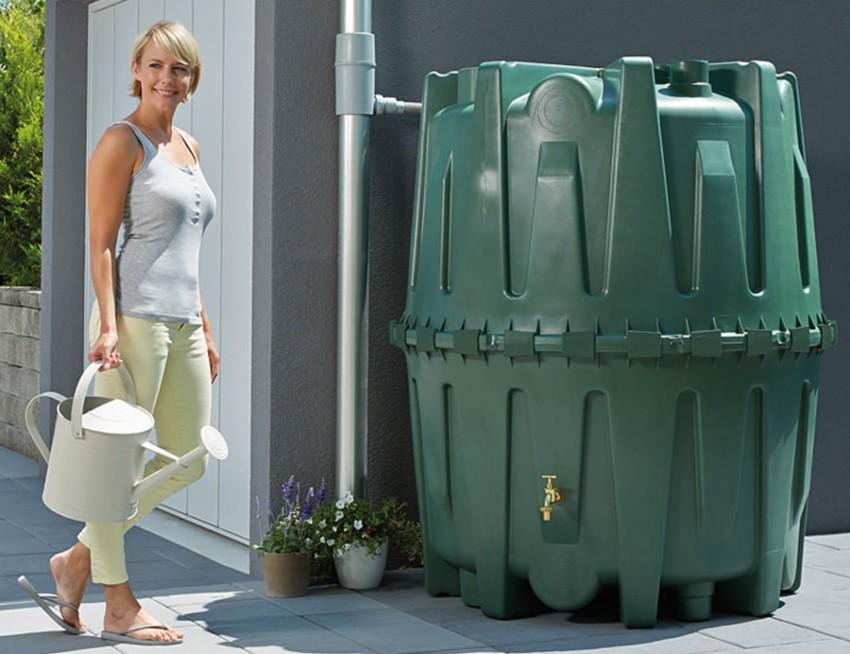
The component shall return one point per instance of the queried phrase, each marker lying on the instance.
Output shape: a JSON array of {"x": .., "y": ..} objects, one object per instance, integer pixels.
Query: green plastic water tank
[{"x": 613, "y": 292}]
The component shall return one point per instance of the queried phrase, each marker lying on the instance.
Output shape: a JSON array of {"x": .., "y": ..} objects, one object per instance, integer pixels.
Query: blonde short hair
[{"x": 174, "y": 38}]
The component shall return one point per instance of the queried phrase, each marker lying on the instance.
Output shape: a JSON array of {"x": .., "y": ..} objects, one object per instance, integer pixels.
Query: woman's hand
[
  {"x": 105, "y": 349},
  {"x": 212, "y": 353}
]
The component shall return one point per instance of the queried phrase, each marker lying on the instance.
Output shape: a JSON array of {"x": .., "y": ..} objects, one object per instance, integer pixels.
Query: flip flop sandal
[
  {"x": 44, "y": 600},
  {"x": 124, "y": 637}
]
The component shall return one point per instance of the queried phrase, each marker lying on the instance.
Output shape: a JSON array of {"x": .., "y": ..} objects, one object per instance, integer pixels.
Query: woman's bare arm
[{"x": 109, "y": 172}]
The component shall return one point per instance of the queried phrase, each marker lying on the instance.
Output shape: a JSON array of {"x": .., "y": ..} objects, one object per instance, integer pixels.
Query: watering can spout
[{"x": 212, "y": 443}]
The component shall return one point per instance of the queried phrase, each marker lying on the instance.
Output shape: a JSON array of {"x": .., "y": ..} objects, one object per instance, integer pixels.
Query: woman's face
[{"x": 165, "y": 80}]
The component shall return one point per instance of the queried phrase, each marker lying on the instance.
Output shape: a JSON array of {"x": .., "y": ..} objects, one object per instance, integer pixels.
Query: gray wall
[
  {"x": 414, "y": 37},
  {"x": 63, "y": 221}
]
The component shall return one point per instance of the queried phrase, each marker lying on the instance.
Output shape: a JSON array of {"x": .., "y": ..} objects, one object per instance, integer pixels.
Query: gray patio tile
[
  {"x": 255, "y": 586},
  {"x": 28, "y": 510},
  {"x": 815, "y": 579},
  {"x": 12, "y": 565},
  {"x": 286, "y": 634},
  {"x": 58, "y": 536},
  {"x": 643, "y": 641},
  {"x": 221, "y": 613},
  {"x": 688, "y": 643},
  {"x": 607, "y": 627},
  {"x": 10, "y": 529},
  {"x": 10, "y": 592},
  {"x": 33, "y": 484},
  {"x": 43, "y": 581},
  {"x": 832, "y": 560},
  {"x": 24, "y": 620},
  {"x": 163, "y": 570},
  {"x": 185, "y": 557},
  {"x": 195, "y": 641},
  {"x": 837, "y": 541},
  {"x": 141, "y": 538},
  {"x": 443, "y": 611},
  {"x": 506, "y": 633},
  {"x": 14, "y": 465},
  {"x": 25, "y": 544},
  {"x": 10, "y": 486},
  {"x": 757, "y": 632},
  {"x": 826, "y": 646},
  {"x": 186, "y": 579},
  {"x": 53, "y": 642},
  {"x": 326, "y": 600},
  {"x": 222, "y": 573},
  {"x": 178, "y": 597},
  {"x": 825, "y": 613},
  {"x": 390, "y": 631}
]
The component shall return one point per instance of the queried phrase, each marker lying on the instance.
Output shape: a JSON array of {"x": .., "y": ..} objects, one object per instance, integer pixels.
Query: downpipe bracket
[{"x": 354, "y": 68}]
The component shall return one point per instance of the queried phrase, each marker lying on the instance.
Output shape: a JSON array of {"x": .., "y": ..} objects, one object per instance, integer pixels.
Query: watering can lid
[{"x": 117, "y": 417}]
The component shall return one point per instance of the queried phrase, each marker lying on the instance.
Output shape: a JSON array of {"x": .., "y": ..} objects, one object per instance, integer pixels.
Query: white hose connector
[{"x": 387, "y": 105}]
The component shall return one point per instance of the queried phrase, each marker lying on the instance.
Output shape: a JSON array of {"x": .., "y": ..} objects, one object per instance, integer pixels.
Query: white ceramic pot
[{"x": 357, "y": 570}]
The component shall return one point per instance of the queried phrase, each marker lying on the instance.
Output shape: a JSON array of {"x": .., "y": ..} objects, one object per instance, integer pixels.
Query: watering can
[{"x": 95, "y": 466}]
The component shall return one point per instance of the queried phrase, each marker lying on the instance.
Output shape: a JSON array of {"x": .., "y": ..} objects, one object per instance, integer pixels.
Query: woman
[{"x": 145, "y": 173}]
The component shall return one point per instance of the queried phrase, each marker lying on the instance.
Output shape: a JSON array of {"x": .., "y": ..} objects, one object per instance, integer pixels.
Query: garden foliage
[{"x": 21, "y": 111}]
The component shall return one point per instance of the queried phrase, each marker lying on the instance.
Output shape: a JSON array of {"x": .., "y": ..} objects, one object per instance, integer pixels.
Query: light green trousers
[{"x": 170, "y": 367}]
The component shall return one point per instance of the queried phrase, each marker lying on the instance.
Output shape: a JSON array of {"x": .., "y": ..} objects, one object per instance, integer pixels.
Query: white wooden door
[{"x": 220, "y": 116}]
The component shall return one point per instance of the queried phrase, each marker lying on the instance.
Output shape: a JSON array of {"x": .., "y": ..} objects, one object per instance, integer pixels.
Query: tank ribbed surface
[{"x": 613, "y": 280}]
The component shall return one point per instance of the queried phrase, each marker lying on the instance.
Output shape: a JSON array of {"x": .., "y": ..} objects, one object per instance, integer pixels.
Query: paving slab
[
  {"x": 639, "y": 642},
  {"x": 17, "y": 466},
  {"x": 836, "y": 541},
  {"x": 758, "y": 632},
  {"x": 177, "y": 597},
  {"x": 220, "y": 614},
  {"x": 195, "y": 641},
  {"x": 391, "y": 632},
  {"x": 327, "y": 600},
  {"x": 223, "y": 610},
  {"x": 290, "y": 633},
  {"x": 827, "y": 646},
  {"x": 54, "y": 643}
]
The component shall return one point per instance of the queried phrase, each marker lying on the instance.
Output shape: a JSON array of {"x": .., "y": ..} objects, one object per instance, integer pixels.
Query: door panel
[{"x": 224, "y": 30}]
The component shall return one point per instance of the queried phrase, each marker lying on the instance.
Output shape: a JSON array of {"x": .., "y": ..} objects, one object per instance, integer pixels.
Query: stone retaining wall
[{"x": 20, "y": 309}]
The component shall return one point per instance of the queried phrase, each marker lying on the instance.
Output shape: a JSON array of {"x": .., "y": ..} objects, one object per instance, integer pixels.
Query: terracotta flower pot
[
  {"x": 357, "y": 570},
  {"x": 287, "y": 575}
]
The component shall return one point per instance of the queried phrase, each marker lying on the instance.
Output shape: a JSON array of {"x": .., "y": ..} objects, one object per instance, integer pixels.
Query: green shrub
[{"x": 21, "y": 111}]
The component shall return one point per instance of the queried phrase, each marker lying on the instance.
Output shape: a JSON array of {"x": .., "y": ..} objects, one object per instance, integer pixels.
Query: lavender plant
[{"x": 290, "y": 530}]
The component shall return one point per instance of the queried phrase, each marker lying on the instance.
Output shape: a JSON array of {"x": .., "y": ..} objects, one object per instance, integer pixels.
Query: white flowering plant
[{"x": 337, "y": 526}]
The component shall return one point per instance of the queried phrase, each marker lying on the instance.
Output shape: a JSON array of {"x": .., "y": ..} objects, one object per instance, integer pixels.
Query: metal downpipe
[{"x": 353, "y": 79}]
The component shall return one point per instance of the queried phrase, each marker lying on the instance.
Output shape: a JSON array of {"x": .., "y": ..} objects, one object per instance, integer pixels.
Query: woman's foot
[
  {"x": 71, "y": 570},
  {"x": 124, "y": 612}
]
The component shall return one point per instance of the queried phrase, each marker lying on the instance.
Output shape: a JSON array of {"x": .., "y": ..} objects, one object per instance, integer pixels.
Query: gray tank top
[{"x": 167, "y": 209}]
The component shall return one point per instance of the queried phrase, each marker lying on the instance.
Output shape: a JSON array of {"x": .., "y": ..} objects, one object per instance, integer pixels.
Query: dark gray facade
[
  {"x": 414, "y": 37},
  {"x": 295, "y": 208}
]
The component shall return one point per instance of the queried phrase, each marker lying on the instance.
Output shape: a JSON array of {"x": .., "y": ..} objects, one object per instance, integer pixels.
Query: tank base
[{"x": 692, "y": 603}]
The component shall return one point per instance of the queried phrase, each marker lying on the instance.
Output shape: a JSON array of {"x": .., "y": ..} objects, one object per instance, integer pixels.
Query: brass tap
[{"x": 554, "y": 495}]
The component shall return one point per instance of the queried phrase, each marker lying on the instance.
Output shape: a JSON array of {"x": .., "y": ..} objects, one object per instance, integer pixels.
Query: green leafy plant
[
  {"x": 290, "y": 530},
  {"x": 353, "y": 521},
  {"x": 21, "y": 114}
]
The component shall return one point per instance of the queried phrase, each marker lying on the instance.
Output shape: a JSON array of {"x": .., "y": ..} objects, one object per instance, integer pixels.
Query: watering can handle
[
  {"x": 83, "y": 387},
  {"x": 32, "y": 421}
]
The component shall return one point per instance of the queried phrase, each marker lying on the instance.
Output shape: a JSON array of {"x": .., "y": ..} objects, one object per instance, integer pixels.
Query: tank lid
[
  {"x": 689, "y": 77},
  {"x": 118, "y": 417}
]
